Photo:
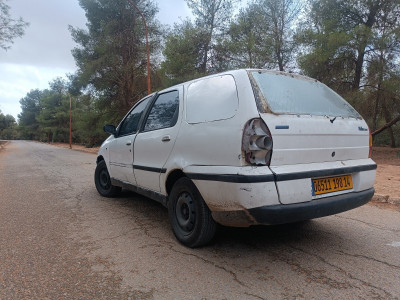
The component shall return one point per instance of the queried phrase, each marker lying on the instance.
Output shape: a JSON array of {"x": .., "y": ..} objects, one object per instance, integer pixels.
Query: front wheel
[
  {"x": 189, "y": 215},
  {"x": 103, "y": 181}
]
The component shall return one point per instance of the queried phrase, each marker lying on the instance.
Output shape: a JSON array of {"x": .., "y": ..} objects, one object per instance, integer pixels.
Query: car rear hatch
[{"x": 320, "y": 143}]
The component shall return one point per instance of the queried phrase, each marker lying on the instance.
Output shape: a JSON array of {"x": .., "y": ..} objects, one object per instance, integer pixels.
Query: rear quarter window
[{"x": 211, "y": 99}]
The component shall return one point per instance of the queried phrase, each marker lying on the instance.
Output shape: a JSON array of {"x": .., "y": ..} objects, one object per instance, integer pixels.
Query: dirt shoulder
[
  {"x": 3, "y": 144},
  {"x": 76, "y": 147},
  {"x": 387, "y": 185}
]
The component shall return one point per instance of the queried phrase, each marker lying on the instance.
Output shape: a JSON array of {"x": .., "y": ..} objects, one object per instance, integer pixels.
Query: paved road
[{"x": 60, "y": 240}]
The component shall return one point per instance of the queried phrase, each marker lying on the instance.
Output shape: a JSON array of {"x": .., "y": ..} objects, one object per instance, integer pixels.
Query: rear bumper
[
  {"x": 282, "y": 214},
  {"x": 293, "y": 181},
  {"x": 249, "y": 195}
]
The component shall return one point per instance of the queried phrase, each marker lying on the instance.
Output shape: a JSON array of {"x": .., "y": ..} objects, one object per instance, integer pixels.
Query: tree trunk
[
  {"x": 391, "y": 134},
  {"x": 386, "y": 126},
  {"x": 280, "y": 62},
  {"x": 208, "y": 42},
  {"x": 375, "y": 116},
  {"x": 204, "y": 62},
  {"x": 358, "y": 68},
  {"x": 378, "y": 94},
  {"x": 388, "y": 117},
  {"x": 363, "y": 44}
]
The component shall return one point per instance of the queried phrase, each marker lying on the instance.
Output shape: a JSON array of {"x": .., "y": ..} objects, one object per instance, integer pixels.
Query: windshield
[{"x": 292, "y": 94}]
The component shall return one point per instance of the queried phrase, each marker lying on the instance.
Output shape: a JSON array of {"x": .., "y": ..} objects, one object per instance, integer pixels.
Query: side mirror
[{"x": 110, "y": 129}]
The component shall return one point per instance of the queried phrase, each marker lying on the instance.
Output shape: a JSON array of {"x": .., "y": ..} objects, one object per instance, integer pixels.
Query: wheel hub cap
[
  {"x": 185, "y": 212},
  {"x": 104, "y": 179}
]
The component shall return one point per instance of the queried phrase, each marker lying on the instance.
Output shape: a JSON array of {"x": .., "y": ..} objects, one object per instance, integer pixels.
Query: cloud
[
  {"x": 17, "y": 80},
  {"x": 172, "y": 11},
  {"x": 47, "y": 41}
]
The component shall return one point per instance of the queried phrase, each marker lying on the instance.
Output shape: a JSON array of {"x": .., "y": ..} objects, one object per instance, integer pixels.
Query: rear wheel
[
  {"x": 189, "y": 215},
  {"x": 103, "y": 181}
]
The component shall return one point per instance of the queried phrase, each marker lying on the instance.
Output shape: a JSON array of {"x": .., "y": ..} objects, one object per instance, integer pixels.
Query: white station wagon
[{"x": 240, "y": 148}]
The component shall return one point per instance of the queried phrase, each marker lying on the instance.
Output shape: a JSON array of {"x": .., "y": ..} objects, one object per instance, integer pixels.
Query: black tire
[
  {"x": 103, "y": 181},
  {"x": 189, "y": 215}
]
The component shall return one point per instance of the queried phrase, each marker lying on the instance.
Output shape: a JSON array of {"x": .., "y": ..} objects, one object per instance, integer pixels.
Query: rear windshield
[{"x": 293, "y": 94}]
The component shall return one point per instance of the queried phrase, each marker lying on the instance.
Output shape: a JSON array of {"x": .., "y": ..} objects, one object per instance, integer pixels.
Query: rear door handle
[{"x": 166, "y": 138}]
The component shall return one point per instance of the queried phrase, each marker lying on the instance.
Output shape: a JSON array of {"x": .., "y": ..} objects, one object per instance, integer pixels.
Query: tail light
[
  {"x": 370, "y": 143},
  {"x": 257, "y": 143}
]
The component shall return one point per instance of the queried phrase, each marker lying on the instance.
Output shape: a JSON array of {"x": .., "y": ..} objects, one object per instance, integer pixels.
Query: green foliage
[
  {"x": 53, "y": 117},
  {"x": 10, "y": 29},
  {"x": 45, "y": 116},
  {"x": 111, "y": 56},
  {"x": 261, "y": 36},
  {"x": 340, "y": 36},
  {"x": 243, "y": 45},
  {"x": 182, "y": 54},
  {"x": 88, "y": 120},
  {"x": 353, "y": 46},
  {"x": 211, "y": 19},
  {"x": 7, "y": 126},
  {"x": 30, "y": 106},
  {"x": 191, "y": 49}
]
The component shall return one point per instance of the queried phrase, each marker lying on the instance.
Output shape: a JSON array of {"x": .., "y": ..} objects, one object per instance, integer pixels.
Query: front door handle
[
  {"x": 128, "y": 143},
  {"x": 166, "y": 138}
]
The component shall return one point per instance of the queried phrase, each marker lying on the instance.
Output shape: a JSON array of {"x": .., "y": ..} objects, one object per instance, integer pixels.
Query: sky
[{"x": 44, "y": 52}]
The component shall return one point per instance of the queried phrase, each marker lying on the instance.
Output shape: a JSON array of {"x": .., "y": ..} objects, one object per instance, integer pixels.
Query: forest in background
[{"x": 353, "y": 46}]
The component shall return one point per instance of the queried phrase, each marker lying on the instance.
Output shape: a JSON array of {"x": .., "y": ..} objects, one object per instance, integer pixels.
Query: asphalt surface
[{"x": 59, "y": 239}]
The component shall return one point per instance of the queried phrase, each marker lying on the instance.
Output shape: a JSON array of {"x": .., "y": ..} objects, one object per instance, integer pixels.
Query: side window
[
  {"x": 164, "y": 112},
  {"x": 212, "y": 99},
  {"x": 131, "y": 122}
]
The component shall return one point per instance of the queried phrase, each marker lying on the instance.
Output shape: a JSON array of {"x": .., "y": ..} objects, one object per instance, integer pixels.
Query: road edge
[
  {"x": 3, "y": 144},
  {"x": 385, "y": 199},
  {"x": 67, "y": 147}
]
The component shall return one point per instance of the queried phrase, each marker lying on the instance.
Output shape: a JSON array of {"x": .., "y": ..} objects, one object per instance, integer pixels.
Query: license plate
[{"x": 331, "y": 184}]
